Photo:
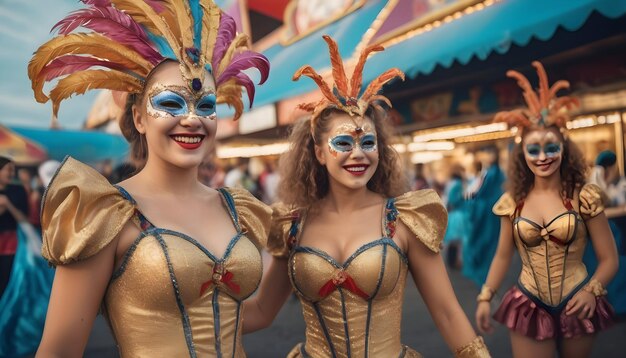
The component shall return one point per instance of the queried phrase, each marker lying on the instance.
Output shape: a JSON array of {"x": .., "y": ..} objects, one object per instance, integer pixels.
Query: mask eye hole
[
  {"x": 533, "y": 150},
  {"x": 552, "y": 149},
  {"x": 169, "y": 104},
  {"x": 342, "y": 143}
]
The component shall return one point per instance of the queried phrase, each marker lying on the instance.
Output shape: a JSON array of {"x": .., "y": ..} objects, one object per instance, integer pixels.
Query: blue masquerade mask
[
  {"x": 346, "y": 143},
  {"x": 551, "y": 150},
  {"x": 175, "y": 104}
]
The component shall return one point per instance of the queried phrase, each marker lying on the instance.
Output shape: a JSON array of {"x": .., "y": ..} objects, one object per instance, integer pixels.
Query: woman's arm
[
  {"x": 583, "y": 303},
  {"x": 75, "y": 299},
  {"x": 431, "y": 278},
  {"x": 260, "y": 310},
  {"x": 497, "y": 272}
]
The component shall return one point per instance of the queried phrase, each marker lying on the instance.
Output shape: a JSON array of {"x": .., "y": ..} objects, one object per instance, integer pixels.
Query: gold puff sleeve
[
  {"x": 81, "y": 214},
  {"x": 505, "y": 206},
  {"x": 280, "y": 233},
  {"x": 425, "y": 215},
  {"x": 254, "y": 216},
  {"x": 590, "y": 201}
]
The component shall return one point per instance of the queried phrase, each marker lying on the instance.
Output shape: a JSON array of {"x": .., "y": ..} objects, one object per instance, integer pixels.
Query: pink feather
[
  {"x": 243, "y": 80},
  {"x": 114, "y": 24},
  {"x": 65, "y": 65},
  {"x": 156, "y": 6},
  {"x": 225, "y": 35},
  {"x": 243, "y": 61}
]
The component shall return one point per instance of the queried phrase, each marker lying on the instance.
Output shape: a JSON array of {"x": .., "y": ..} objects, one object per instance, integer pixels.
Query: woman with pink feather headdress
[
  {"x": 547, "y": 214},
  {"x": 347, "y": 234},
  {"x": 167, "y": 260}
]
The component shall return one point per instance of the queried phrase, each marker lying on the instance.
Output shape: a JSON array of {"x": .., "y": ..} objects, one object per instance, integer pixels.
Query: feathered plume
[
  {"x": 113, "y": 24},
  {"x": 129, "y": 38},
  {"x": 544, "y": 108},
  {"x": 345, "y": 96}
]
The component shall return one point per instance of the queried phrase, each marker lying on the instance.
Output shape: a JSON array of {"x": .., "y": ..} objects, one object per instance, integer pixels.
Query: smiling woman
[
  {"x": 168, "y": 259},
  {"x": 547, "y": 214},
  {"x": 347, "y": 234}
]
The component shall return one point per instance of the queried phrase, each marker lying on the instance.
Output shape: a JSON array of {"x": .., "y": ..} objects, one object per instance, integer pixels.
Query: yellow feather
[
  {"x": 145, "y": 15},
  {"x": 239, "y": 42},
  {"x": 210, "y": 27},
  {"x": 184, "y": 23},
  {"x": 230, "y": 93},
  {"x": 79, "y": 82},
  {"x": 88, "y": 44}
]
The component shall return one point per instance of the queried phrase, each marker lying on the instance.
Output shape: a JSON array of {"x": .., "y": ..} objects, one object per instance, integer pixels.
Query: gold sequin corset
[
  {"x": 551, "y": 254},
  {"x": 354, "y": 308},
  {"x": 170, "y": 296}
]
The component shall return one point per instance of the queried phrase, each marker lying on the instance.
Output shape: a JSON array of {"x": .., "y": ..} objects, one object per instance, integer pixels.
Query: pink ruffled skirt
[{"x": 525, "y": 314}]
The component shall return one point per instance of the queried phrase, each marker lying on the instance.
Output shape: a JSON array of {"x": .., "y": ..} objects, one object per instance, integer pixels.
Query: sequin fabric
[
  {"x": 552, "y": 253},
  {"x": 354, "y": 308},
  {"x": 170, "y": 296}
]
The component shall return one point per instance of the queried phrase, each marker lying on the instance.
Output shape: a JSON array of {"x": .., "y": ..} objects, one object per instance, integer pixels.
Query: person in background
[
  {"x": 547, "y": 213},
  {"x": 482, "y": 225},
  {"x": 457, "y": 221},
  {"x": 605, "y": 174},
  {"x": 419, "y": 181},
  {"x": 25, "y": 277},
  {"x": 13, "y": 208}
]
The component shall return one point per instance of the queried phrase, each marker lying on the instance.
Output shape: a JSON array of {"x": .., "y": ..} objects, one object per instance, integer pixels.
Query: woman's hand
[
  {"x": 583, "y": 304},
  {"x": 483, "y": 317}
]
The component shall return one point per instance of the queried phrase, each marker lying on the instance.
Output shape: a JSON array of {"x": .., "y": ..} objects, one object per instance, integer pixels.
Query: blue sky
[{"x": 24, "y": 25}]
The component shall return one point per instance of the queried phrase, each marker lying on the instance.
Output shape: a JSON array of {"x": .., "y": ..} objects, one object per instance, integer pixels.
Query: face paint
[
  {"x": 551, "y": 150},
  {"x": 174, "y": 101},
  {"x": 348, "y": 135}
]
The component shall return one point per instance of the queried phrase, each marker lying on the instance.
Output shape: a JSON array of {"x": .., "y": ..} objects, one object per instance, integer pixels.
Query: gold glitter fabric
[
  {"x": 475, "y": 349},
  {"x": 551, "y": 253},
  {"x": 169, "y": 296},
  {"x": 354, "y": 308}
]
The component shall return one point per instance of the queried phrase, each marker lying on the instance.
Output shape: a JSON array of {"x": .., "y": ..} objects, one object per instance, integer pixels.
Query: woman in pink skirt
[{"x": 548, "y": 213}]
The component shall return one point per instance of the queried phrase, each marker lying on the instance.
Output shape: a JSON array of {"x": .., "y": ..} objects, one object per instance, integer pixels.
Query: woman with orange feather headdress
[
  {"x": 340, "y": 180},
  {"x": 548, "y": 213},
  {"x": 168, "y": 259}
]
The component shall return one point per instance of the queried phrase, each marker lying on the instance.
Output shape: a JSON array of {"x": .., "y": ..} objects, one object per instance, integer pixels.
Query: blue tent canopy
[
  {"x": 494, "y": 29},
  {"x": 312, "y": 50},
  {"x": 86, "y": 146}
]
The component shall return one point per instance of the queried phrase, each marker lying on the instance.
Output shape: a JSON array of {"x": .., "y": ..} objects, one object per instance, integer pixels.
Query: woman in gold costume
[
  {"x": 168, "y": 260},
  {"x": 347, "y": 233},
  {"x": 547, "y": 214}
]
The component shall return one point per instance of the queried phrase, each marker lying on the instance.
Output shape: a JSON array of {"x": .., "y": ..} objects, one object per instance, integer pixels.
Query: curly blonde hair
[
  {"x": 572, "y": 169},
  {"x": 304, "y": 180}
]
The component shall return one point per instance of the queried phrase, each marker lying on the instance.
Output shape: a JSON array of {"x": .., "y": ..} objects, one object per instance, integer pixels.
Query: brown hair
[
  {"x": 572, "y": 170},
  {"x": 138, "y": 144},
  {"x": 304, "y": 180}
]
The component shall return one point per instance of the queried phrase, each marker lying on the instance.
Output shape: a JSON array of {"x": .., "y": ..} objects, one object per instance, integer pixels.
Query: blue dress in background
[
  {"x": 483, "y": 227},
  {"x": 25, "y": 301},
  {"x": 617, "y": 288}
]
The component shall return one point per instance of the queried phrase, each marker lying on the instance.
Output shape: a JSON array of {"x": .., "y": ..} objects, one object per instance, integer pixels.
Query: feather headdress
[
  {"x": 129, "y": 38},
  {"x": 545, "y": 109},
  {"x": 345, "y": 92}
]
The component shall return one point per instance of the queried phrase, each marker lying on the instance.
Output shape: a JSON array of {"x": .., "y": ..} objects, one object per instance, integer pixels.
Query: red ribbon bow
[
  {"x": 342, "y": 279},
  {"x": 221, "y": 275}
]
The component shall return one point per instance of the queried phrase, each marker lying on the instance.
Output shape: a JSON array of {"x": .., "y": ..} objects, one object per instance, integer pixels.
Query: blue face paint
[
  {"x": 173, "y": 103},
  {"x": 170, "y": 102},
  {"x": 368, "y": 143},
  {"x": 342, "y": 143},
  {"x": 345, "y": 143},
  {"x": 206, "y": 105},
  {"x": 551, "y": 150}
]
